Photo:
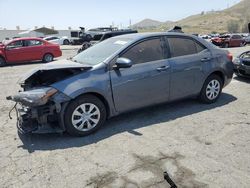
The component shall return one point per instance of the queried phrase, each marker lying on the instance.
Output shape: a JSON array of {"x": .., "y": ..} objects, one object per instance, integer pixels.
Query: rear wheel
[
  {"x": 242, "y": 44},
  {"x": 48, "y": 58},
  {"x": 2, "y": 62},
  {"x": 84, "y": 115},
  {"x": 226, "y": 45},
  {"x": 211, "y": 89}
]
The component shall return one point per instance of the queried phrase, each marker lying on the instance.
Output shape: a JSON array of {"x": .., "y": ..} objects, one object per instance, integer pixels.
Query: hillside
[
  {"x": 147, "y": 23},
  {"x": 214, "y": 21}
]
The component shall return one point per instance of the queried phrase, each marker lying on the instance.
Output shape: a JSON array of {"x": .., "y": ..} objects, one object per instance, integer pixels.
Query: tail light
[{"x": 230, "y": 56}]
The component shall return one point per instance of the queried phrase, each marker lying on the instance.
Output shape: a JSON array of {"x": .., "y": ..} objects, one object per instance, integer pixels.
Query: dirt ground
[{"x": 198, "y": 145}]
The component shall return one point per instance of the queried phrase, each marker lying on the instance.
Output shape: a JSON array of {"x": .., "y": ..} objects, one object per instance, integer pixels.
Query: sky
[{"x": 96, "y": 13}]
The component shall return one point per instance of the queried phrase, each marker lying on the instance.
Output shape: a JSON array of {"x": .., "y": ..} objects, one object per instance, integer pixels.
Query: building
[{"x": 36, "y": 32}]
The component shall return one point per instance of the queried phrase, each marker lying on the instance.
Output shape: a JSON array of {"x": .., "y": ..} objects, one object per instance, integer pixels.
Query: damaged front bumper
[{"x": 40, "y": 110}]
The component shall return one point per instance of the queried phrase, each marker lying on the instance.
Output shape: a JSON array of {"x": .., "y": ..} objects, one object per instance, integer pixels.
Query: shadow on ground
[
  {"x": 242, "y": 79},
  {"x": 124, "y": 123}
]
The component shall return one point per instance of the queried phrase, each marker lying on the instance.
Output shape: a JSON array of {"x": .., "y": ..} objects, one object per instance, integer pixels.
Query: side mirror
[{"x": 123, "y": 63}]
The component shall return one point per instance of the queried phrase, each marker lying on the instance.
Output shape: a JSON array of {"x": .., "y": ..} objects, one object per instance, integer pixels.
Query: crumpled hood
[{"x": 56, "y": 65}]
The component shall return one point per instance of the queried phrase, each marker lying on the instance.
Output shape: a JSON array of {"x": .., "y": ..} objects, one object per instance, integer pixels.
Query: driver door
[
  {"x": 147, "y": 81},
  {"x": 14, "y": 51}
]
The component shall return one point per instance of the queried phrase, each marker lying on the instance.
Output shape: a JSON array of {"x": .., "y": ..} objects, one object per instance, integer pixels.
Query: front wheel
[
  {"x": 2, "y": 62},
  {"x": 84, "y": 115},
  {"x": 211, "y": 89}
]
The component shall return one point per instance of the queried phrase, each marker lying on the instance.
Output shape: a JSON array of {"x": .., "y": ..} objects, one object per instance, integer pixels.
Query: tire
[
  {"x": 2, "y": 62},
  {"x": 242, "y": 44},
  {"x": 226, "y": 45},
  {"x": 78, "y": 119},
  {"x": 88, "y": 38},
  {"x": 211, "y": 89},
  {"x": 66, "y": 42},
  {"x": 48, "y": 58}
]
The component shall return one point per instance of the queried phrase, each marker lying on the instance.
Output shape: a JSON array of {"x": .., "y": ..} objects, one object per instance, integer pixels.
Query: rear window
[
  {"x": 34, "y": 42},
  {"x": 184, "y": 46},
  {"x": 236, "y": 37}
]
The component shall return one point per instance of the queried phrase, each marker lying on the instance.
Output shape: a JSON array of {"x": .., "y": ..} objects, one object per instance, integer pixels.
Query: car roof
[
  {"x": 138, "y": 36},
  {"x": 27, "y": 38}
]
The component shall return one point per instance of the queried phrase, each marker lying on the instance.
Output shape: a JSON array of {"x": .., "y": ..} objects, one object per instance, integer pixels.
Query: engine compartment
[{"x": 47, "y": 77}]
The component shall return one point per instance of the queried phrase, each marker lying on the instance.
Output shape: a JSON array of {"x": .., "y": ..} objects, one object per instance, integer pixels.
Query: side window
[
  {"x": 75, "y": 34},
  {"x": 34, "y": 43},
  {"x": 237, "y": 37},
  {"x": 200, "y": 47},
  {"x": 146, "y": 51},
  {"x": 16, "y": 44},
  {"x": 182, "y": 46}
]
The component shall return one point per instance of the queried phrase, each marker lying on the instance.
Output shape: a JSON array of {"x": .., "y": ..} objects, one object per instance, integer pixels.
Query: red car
[
  {"x": 227, "y": 41},
  {"x": 28, "y": 49}
]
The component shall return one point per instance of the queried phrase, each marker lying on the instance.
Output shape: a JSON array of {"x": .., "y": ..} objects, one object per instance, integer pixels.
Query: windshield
[{"x": 101, "y": 51}]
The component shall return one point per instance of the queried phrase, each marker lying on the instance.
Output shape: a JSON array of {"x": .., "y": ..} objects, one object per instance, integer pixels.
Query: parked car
[
  {"x": 86, "y": 36},
  {"x": 58, "y": 40},
  {"x": 242, "y": 65},
  {"x": 226, "y": 41},
  {"x": 101, "y": 36},
  {"x": 247, "y": 39},
  {"x": 118, "y": 75},
  {"x": 28, "y": 49}
]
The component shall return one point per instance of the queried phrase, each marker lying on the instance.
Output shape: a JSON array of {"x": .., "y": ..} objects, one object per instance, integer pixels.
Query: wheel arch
[
  {"x": 4, "y": 59},
  {"x": 65, "y": 105},
  {"x": 220, "y": 74},
  {"x": 48, "y": 53},
  {"x": 2, "y": 56},
  {"x": 101, "y": 97}
]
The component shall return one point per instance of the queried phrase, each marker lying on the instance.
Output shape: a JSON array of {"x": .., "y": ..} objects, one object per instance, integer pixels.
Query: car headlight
[
  {"x": 36, "y": 97},
  {"x": 237, "y": 61}
]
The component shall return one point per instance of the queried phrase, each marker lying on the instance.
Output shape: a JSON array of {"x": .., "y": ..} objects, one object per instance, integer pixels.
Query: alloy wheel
[
  {"x": 213, "y": 89},
  {"x": 85, "y": 117}
]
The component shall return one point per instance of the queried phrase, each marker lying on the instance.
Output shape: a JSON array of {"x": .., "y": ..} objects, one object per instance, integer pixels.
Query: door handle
[
  {"x": 205, "y": 59},
  {"x": 163, "y": 68}
]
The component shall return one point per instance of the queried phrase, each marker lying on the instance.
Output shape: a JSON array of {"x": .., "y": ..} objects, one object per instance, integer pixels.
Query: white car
[
  {"x": 58, "y": 40},
  {"x": 247, "y": 39}
]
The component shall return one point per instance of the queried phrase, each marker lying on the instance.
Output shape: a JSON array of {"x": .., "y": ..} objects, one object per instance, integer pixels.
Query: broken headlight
[{"x": 36, "y": 97}]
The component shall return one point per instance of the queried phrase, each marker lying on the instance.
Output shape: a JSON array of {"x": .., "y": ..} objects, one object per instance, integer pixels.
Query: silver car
[{"x": 120, "y": 74}]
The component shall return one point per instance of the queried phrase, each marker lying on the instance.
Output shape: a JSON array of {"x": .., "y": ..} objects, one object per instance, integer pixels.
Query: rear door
[
  {"x": 34, "y": 50},
  {"x": 236, "y": 40},
  {"x": 188, "y": 57},
  {"x": 147, "y": 81}
]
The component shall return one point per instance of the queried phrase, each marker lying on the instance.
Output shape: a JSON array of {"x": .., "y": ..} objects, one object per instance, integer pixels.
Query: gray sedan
[{"x": 120, "y": 74}]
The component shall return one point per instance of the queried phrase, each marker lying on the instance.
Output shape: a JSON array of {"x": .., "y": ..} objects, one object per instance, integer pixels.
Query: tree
[{"x": 233, "y": 26}]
